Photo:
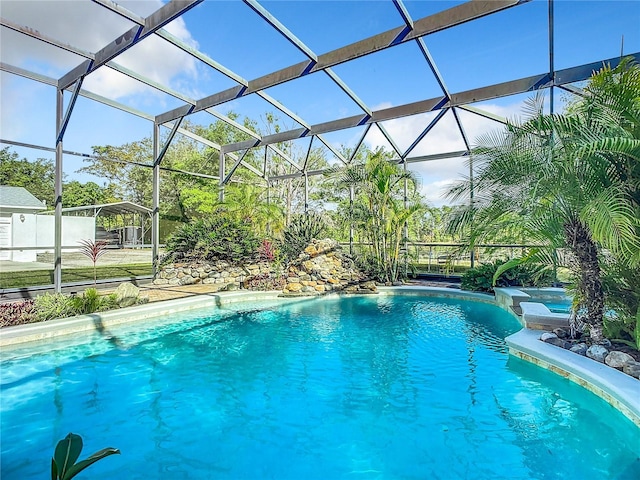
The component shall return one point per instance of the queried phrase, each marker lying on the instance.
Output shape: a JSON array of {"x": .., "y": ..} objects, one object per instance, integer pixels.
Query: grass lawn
[{"x": 29, "y": 278}]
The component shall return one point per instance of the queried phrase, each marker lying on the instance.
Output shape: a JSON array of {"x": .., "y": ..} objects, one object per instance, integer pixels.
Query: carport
[{"x": 127, "y": 218}]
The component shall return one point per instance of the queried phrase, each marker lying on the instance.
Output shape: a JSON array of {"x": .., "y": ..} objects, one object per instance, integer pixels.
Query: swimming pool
[{"x": 368, "y": 387}]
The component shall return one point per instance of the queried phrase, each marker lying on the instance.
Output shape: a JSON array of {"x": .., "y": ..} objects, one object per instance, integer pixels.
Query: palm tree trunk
[{"x": 589, "y": 282}]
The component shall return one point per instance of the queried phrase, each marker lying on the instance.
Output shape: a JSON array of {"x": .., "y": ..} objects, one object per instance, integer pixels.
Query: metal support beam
[
  {"x": 306, "y": 193},
  {"x": 67, "y": 115},
  {"x": 306, "y": 158},
  {"x": 155, "y": 207},
  {"x": 169, "y": 139},
  {"x": 165, "y": 14},
  {"x": 351, "y": 229},
  {"x": 228, "y": 176},
  {"x": 359, "y": 144},
  {"x": 221, "y": 172},
  {"x": 451, "y": 17},
  {"x": 424, "y": 132},
  {"x": 513, "y": 87},
  {"x": 57, "y": 234},
  {"x": 461, "y": 128},
  {"x": 551, "y": 56}
]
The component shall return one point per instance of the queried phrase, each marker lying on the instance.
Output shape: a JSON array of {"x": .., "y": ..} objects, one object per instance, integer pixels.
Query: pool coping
[
  {"x": 618, "y": 389},
  {"x": 60, "y": 327}
]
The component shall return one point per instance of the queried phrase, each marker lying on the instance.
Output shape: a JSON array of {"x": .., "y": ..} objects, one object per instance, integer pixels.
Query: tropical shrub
[
  {"x": 67, "y": 452},
  {"x": 302, "y": 229},
  {"x": 481, "y": 278},
  {"x": 570, "y": 181},
  {"x": 58, "y": 305},
  {"x": 221, "y": 237},
  {"x": 622, "y": 293},
  {"x": 53, "y": 305},
  {"x": 88, "y": 302},
  {"x": 17, "y": 313}
]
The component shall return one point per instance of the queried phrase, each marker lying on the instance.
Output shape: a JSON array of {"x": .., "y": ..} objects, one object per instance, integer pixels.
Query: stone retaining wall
[
  {"x": 324, "y": 267},
  {"x": 219, "y": 273}
]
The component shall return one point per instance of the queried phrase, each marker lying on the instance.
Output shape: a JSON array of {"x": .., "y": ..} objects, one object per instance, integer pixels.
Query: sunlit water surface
[{"x": 370, "y": 387}]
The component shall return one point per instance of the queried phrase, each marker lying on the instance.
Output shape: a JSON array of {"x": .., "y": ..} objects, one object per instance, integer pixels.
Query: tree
[
  {"x": 38, "y": 176},
  {"x": 565, "y": 178},
  {"x": 379, "y": 211},
  {"x": 76, "y": 194}
]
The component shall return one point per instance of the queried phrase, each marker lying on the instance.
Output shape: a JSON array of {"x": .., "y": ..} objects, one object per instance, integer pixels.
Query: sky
[{"x": 500, "y": 47}]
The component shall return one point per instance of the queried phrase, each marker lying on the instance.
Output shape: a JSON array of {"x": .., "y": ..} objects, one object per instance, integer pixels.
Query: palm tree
[
  {"x": 247, "y": 202},
  {"x": 379, "y": 211},
  {"x": 568, "y": 179}
]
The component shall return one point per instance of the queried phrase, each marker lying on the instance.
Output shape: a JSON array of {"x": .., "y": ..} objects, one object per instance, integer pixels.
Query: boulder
[
  {"x": 632, "y": 368},
  {"x": 558, "y": 342},
  {"x": 618, "y": 359},
  {"x": 579, "y": 348},
  {"x": 560, "y": 332},
  {"x": 546, "y": 336},
  {"x": 597, "y": 353},
  {"x": 126, "y": 294}
]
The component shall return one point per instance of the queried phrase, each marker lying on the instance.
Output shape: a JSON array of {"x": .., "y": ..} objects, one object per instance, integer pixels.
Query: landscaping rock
[
  {"x": 618, "y": 359},
  {"x": 580, "y": 349},
  {"x": 558, "y": 342},
  {"x": 560, "y": 332},
  {"x": 597, "y": 353},
  {"x": 632, "y": 368},
  {"x": 546, "y": 336},
  {"x": 323, "y": 267},
  {"x": 126, "y": 294}
]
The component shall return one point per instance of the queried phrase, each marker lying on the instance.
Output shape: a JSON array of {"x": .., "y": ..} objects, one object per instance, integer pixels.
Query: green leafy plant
[
  {"x": 93, "y": 250},
  {"x": 53, "y": 305},
  {"x": 484, "y": 277},
  {"x": 89, "y": 302},
  {"x": 301, "y": 230},
  {"x": 385, "y": 201},
  {"x": 67, "y": 452},
  {"x": 222, "y": 238}
]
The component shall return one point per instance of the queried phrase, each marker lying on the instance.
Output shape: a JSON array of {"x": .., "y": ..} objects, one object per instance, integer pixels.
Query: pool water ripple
[{"x": 361, "y": 387}]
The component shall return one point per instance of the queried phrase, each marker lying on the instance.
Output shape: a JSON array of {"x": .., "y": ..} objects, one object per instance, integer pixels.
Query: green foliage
[
  {"x": 379, "y": 210},
  {"x": 622, "y": 292},
  {"x": 38, "y": 176},
  {"x": 60, "y": 305},
  {"x": 569, "y": 181},
  {"x": 67, "y": 452},
  {"x": 76, "y": 194},
  {"x": 108, "y": 302},
  {"x": 54, "y": 305},
  {"x": 89, "y": 302},
  {"x": 302, "y": 229},
  {"x": 481, "y": 278},
  {"x": 221, "y": 237}
]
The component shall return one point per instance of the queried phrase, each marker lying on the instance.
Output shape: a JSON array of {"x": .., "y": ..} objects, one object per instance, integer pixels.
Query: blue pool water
[
  {"x": 558, "y": 306},
  {"x": 360, "y": 387}
]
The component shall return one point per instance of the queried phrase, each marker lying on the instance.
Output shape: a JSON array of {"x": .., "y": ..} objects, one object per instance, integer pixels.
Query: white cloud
[{"x": 87, "y": 26}]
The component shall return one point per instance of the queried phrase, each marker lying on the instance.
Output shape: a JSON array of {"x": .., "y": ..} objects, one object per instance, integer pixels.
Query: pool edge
[
  {"x": 32, "y": 332},
  {"x": 618, "y": 389}
]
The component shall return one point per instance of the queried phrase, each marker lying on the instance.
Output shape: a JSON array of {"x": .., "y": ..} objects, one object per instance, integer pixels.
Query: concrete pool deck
[{"x": 615, "y": 387}]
